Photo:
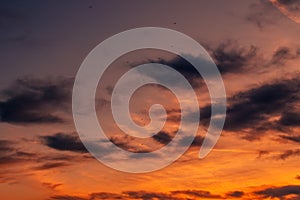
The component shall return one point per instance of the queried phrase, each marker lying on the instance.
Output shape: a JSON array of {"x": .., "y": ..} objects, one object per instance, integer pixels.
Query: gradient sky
[{"x": 256, "y": 47}]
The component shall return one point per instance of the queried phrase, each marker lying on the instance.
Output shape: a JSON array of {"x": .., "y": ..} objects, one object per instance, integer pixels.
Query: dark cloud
[
  {"x": 51, "y": 186},
  {"x": 231, "y": 58},
  {"x": 280, "y": 192},
  {"x": 10, "y": 159},
  {"x": 121, "y": 141},
  {"x": 290, "y": 119},
  {"x": 251, "y": 113},
  {"x": 292, "y": 5},
  {"x": 281, "y": 54},
  {"x": 297, "y": 177},
  {"x": 6, "y": 146},
  {"x": 198, "y": 194},
  {"x": 130, "y": 143},
  {"x": 265, "y": 13},
  {"x": 262, "y": 13},
  {"x": 235, "y": 194},
  {"x": 181, "y": 65},
  {"x": 288, "y": 2},
  {"x": 291, "y": 138},
  {"x": 197, "y": 142},
  {"x": 105, "y": 196},
  {"x": 252, "y": 109},
  {"x": 288, "y": 153},
  {"x": 262, "y": 153},
  {"x": 162, "y": 137},
  {"x": 31, "y": 101},
  {"x": 10, "y": 154},
  {"x": 67, "y": 197},
  {"x": 284, "y": 54},
  {"x": 144, "y": 195},
  {"x": 17, "y": 161},
  {"x": 61, "y": 157},
  {"x": 50, "y": 165},
  {"x": 64, "y": 142}
]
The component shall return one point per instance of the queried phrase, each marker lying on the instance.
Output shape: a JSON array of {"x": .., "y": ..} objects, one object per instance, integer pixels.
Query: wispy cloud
[{"x": 288, "y": 153}]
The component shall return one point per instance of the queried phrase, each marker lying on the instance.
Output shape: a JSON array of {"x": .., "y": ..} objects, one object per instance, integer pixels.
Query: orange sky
[{"x": 256, "y": 48}]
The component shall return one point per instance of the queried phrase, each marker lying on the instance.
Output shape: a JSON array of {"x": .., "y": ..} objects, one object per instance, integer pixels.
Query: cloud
[
  {"x": 289, "y": 118},
  {"x": 51, "y": 186},
  {"x": 14, "y": 156},
  {"x": 198, "y": 194},
  {"x": 262, "y": 153},
  {"x": 123, "y": 141},
  {"x": 231, "y": 58},
  {"x": 265, "y": 12},
  {"x": 6, "y": 146},
  {"x": 131, "y": 144},
  {"x": 18, "y": 161},
  {"x": 284, "y": 54},
  {"x": 291, "y": 138},
  {"x": 293, "y": 5},
  {"x": 235, "y": 194},
  {"x": 262, "y": 14},
  {"x": 289, "y": 8},
  {"x": 253, "y": 109},
  {"x": 67, "y": 197},
  {"x": 10, "y": 154},
  {"x": 287, "y": 192},
  {"x": 181, "y": 65},
  {"x": 269, "y": 106},
  {"x": 105, "y": 195},
  {"x": 35, "y": 101},
  {"x": 50, "y": 165},
  {"x": 144, "y": 195},
  {"x": 13, "y": 160},
  {"x": 162, "y": 137},
  {"x": 280, "y": 192},
  {"x": 197, "y": 142},
  {"x": 288, "y": 154},
  {"x": 64, "y": 142}
]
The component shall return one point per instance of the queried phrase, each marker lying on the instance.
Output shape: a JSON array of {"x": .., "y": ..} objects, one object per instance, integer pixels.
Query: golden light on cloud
[
  {"x": 256, "y": 48},
  {"x": 291, "y": 10}
]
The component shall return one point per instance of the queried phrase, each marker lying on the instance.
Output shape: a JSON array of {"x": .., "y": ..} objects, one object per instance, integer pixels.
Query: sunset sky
[{"x": 256, "y": 47}]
